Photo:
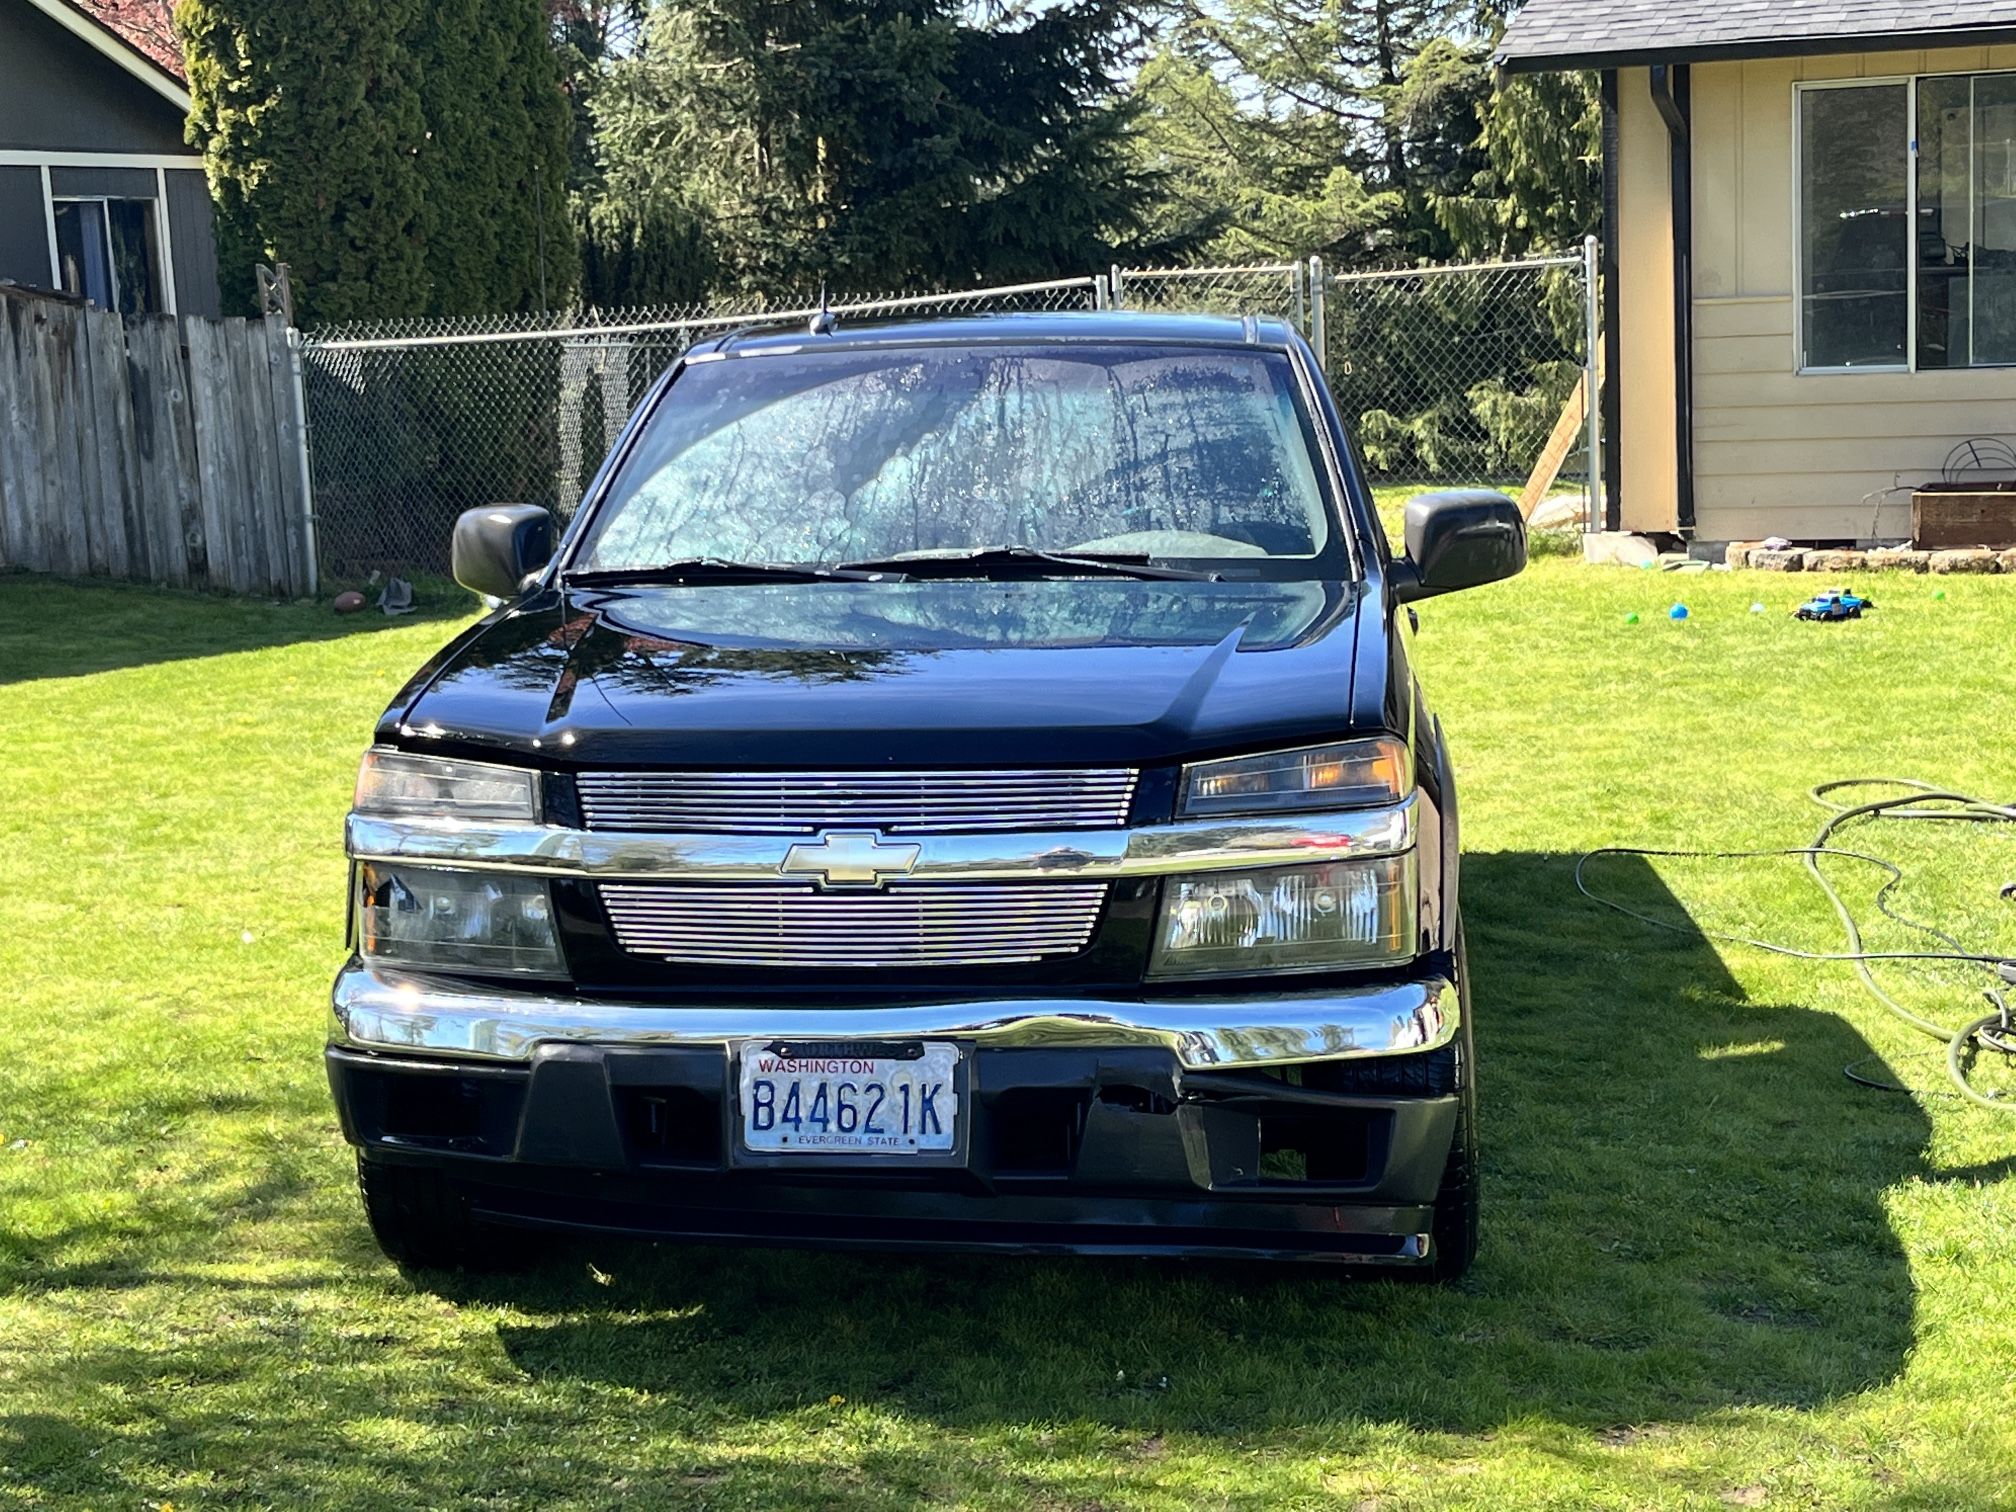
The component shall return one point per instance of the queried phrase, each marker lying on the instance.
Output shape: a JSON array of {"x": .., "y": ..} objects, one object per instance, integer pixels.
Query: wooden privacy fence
[{"x": 153, "y": 448}]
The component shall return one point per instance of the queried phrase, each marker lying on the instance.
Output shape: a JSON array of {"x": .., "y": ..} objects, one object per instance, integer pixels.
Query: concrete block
[
  {"x": 1836, "y": 561},
  {"x": 1737, "y": 553},
  {"x": 1793, "y": 560},
  {"x": 1966, "y": 559},
  {"x": 1898, "y": 559},
  {"x": 1617, "y": 548}
]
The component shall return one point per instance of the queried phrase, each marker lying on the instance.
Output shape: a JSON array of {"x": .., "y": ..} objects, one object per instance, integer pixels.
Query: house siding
[
  {"x": 24, "y": 227},
  {"x": 97, "y": 129},
  {"x": 195, "y": 238},
  {"x": 1647, "y": 482},
  {"x": 58, "y": 95},
  {"x": 1809, "y": 456},
  {"x": 125, "y": 183}
]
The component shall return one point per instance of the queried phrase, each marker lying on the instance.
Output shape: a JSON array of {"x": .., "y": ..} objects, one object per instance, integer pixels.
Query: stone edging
[{"x": 1884, "y": 559}]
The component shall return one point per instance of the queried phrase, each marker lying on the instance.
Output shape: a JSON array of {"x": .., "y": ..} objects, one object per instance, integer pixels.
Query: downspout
[
  {"x": 1670, "y": 96},
  {"x": 1611, "y": 396}
]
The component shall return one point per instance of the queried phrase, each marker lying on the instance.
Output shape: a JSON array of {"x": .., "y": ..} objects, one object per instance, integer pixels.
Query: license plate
[{"x": 797, "y": 1099}]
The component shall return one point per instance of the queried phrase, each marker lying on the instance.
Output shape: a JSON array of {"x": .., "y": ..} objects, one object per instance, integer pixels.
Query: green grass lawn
[{"x": 1714, "y": 1272}]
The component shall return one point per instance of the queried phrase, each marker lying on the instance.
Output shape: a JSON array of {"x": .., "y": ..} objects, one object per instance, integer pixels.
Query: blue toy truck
[{"x": 1833, "y": 604}]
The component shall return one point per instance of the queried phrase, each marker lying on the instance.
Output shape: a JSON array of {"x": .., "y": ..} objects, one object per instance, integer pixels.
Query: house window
[
  {"x": 1967, "y": 221},
  {"x": 1854, "y": 227},
  {"x": 107, "y": 252},
  {"x": 1907, "y": 223}
]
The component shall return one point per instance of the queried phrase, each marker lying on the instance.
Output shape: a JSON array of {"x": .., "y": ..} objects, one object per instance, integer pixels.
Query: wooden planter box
[{"x": 1945, "y": 515}]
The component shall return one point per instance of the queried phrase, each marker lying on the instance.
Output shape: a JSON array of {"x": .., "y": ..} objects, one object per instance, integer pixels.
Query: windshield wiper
[
  {"x": 707, "y": 569},
  {"x": 983, "y": 561}
]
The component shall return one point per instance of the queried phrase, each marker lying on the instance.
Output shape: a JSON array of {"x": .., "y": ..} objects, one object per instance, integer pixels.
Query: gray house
[{"x": 99, "y": 195}]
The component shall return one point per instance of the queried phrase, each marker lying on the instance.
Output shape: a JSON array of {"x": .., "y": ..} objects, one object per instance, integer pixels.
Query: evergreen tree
[
  {"x": 401, "y": 157},
  {"x": 458, "y": 55},
  {"x": 1535, "y": 180},
  {"x": 1371, "y": 131},
  {"x": 310, "y": 135},
  {"x": 658, "y": 253},
  {"x": 1264, "y": 185},
  {"x": 540, "y": 264},
  {"x": 881, "y": 144},
  {"x": 1326, "y": 82}
]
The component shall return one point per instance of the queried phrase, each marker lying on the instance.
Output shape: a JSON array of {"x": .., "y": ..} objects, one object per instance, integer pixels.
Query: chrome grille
[
  {"x": 781, "y": 925},
  {"x": 801, "y": 803}
]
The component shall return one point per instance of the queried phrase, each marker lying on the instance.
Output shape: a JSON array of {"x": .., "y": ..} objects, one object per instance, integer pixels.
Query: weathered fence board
[
  {"x": 290, "y": 501},
  {"x": 151, "y": 448},
  {"x": 165, "y": 451},
  {"x": 16, "y": 478}
]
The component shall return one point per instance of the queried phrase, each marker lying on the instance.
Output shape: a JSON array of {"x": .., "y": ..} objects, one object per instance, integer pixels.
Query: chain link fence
[
  {"x": 1462, "y": 374},
  {"x": 412, "y": 422},
  {"x": 1277, "y": 289},
  {"x": 1445, "y": 375}
]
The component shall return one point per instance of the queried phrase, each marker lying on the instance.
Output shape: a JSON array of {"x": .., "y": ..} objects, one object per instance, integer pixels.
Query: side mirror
[
  {"x": 498, "y": 546},
  {"x": 1458, "y": 539}
]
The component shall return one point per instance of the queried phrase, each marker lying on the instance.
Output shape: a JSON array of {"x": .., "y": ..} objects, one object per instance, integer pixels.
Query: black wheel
[
  {"x": 1453, "y": 1236},
  {"x": 418, "y": 1218}
]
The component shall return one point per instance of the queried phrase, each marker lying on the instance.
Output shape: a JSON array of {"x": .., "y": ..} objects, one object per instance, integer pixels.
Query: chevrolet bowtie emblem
[{"x": 850, "y": 859}]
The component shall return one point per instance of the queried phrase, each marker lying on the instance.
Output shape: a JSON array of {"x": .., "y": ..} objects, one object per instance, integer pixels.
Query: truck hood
[{"x": 857, "y": 675}]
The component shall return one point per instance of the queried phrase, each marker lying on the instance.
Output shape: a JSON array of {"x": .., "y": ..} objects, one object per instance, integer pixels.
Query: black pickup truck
[{"x": 957, "y": 784}]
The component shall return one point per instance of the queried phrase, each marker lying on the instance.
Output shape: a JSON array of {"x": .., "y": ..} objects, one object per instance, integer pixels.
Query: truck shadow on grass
[
  {"x": 1684, "y": 1212},
  {"x": 55, "y": 627}
]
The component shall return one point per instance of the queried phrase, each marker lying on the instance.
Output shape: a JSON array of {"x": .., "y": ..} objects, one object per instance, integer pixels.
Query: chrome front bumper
[{"x": 384, "y": 1011}]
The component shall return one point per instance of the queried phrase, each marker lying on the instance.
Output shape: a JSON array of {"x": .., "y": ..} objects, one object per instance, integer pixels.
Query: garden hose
[{"x": 1920, "y": 800}]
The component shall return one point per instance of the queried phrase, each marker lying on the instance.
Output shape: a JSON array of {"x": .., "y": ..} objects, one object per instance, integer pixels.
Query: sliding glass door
[{"x": 1966, "y": 221}]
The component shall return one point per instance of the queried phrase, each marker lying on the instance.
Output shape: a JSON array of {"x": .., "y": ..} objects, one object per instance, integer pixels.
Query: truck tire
[
  {"x": 1453, "y": 1236},
  {"x": 419, "y": 1219}
]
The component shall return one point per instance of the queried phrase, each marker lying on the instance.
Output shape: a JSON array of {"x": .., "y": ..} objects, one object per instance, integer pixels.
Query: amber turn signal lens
[{"x": 1349, "y": 774}]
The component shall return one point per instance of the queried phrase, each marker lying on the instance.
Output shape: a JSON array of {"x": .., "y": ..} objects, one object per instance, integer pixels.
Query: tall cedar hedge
[{"x": 403, "y": 157}]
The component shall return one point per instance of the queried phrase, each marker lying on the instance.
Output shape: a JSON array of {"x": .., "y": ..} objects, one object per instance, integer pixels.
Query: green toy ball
[
  {"x": 1938, "y": 593},
  {"x": 1631, "y": 618}
]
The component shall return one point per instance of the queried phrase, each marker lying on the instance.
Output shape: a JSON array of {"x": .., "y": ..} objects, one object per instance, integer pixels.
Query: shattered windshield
[{"x": 1191, "y": 453}]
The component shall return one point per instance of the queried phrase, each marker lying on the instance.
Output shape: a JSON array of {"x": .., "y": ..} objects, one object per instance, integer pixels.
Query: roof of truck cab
[{"x": 1085, "y": 326}]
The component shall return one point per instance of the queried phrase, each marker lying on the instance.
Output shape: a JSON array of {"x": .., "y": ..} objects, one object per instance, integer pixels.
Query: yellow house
[{"x": 1810, "y": 254}]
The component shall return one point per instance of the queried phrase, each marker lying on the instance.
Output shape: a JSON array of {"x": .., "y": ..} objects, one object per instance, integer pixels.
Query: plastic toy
[
  {"x": 1678, "y": 612},
  {"x": 1834, "y": 604},
  {"x": 1631, "y": 618}
]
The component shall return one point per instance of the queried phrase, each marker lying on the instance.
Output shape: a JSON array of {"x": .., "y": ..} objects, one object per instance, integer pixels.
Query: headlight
[
  {"x": 433, "y": 919},
  {"x": 1289, "y": 918},
  {"x": 1350, "y": 774},
  {"x": 399, "y": 785}
]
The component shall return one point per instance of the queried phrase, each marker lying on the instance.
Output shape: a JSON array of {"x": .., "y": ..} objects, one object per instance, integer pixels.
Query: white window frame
[{"x": 1910, "y": 83}]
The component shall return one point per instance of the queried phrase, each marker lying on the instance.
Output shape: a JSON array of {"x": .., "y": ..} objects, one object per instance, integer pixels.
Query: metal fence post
[
  {"x": 1319, "y": 330},
  {"x": 307, "y": 472},
  {"x": 1119, "y": 288},
  {"x": 1592, "y": 383},
  {"x": 1101, "y": 298}
]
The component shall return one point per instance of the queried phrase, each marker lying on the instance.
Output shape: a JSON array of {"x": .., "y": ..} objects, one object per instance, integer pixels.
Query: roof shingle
[{"x": 1592, "y": 33}]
